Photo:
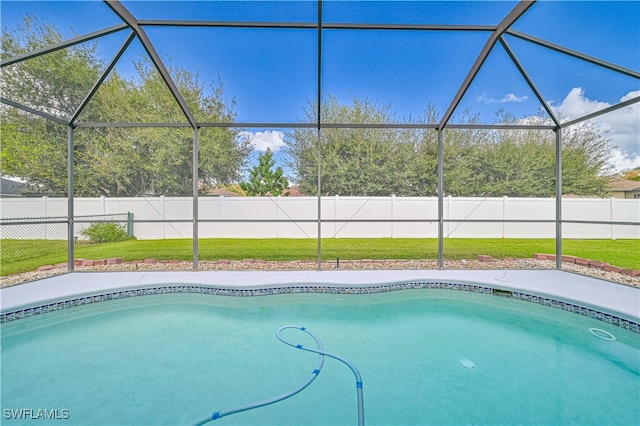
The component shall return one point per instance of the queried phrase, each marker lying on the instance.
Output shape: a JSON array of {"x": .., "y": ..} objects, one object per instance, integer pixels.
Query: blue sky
[{"x": 272, "y": 74}]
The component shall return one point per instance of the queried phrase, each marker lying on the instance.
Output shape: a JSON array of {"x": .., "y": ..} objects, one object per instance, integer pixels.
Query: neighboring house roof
[
  {"x": 12, "y": 188},
  {"x": 221, "y": 192},
  {"x": 294, "y": 191},
  {"x": 624, "y": 185}
]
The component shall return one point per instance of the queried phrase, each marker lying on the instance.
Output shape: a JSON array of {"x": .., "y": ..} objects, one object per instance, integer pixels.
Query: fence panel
[
  {"x": 339, "y": 211},
  {"x": 411, "y": 208}
]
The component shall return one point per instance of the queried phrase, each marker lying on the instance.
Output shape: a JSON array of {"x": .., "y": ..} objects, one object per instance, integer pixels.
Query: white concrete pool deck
[{"x": 606, "y": 296}]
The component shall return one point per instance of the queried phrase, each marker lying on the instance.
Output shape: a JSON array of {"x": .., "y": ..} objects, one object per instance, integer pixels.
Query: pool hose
[{"x": 318, "y": 350}]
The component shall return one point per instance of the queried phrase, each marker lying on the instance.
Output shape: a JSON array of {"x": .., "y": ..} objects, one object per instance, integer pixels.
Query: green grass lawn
[{"x": 27, "y": 255}]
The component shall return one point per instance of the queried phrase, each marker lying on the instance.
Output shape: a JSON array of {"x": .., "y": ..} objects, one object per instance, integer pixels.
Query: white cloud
[
  {"x": 622, "y": 126},
  {"x": 272, "y": 139},
  {"x": 508, "y": 98},
  {"x": 622, "y": 162},
  {"x": 575, "y": 104}
]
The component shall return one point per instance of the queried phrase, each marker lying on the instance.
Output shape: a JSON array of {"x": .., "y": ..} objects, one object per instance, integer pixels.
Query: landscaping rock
[{"x": 615, "y": 274}]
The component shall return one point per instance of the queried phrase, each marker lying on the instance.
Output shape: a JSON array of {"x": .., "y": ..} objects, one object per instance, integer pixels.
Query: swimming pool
[{"x": 427, "y": 356}]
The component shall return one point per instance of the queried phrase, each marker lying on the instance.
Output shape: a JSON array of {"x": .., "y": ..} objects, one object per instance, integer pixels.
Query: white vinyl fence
[{"x": 377, "y": 212}]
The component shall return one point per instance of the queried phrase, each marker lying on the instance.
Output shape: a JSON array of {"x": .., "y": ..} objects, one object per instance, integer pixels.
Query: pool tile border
[{"x": 614, "y": 320}]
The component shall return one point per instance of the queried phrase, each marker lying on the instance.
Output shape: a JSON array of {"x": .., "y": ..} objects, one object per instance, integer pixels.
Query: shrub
[{"x": 105, "y": 232}]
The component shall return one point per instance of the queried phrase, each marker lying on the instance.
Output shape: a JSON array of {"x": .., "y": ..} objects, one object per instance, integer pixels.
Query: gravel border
[{"x": 260, "y": 265}]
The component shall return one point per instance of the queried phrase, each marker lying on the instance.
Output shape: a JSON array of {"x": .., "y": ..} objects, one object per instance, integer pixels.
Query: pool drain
[
  {"x": 602, "y": 334},
  {"x": 467, "y": 363}
]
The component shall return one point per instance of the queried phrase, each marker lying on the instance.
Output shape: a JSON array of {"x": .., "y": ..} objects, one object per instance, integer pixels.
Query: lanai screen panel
[{"x": 377, "y": 77}]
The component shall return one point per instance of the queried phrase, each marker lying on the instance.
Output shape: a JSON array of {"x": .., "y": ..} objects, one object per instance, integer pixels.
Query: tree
[
  {"x": 356, "y": 160},
  {"x": 631, "y": 174},
  {"x": 111, "y": 161},
  {"x": 586, "y": 154},
  {"x": 380, "y": 161},
  {"x": 32, "y": 147},
  {"x": 264, "y": 180},
  {"x": 477, "y": 162},
  {"x": 235, "y": 188},
  {"x": 54, "y": 83},
  {"x": 35, "y": 149},
  {"x": 160, "y": 160},
  {"x": 521, "y": 162}
]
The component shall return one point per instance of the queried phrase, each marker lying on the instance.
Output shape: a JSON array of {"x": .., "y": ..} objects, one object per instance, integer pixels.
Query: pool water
[{"x": 426, "y": 357}]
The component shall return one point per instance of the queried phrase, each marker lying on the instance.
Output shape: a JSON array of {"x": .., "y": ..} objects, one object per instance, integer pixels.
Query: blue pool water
[{"x": 175, "y": 359}]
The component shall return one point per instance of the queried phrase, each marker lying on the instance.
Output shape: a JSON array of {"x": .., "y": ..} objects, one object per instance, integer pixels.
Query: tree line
[
  {"x": 110, "y": 161},
  {"x": 354, "y": 161},
  {"x": 477, "y": 162}
]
